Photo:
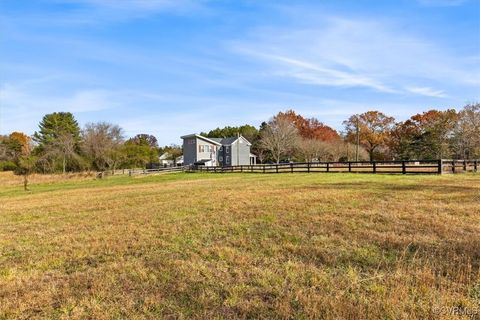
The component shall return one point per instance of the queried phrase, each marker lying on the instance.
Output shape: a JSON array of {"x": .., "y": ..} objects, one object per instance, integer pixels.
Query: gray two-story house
[{"x": 233, "y": 151}]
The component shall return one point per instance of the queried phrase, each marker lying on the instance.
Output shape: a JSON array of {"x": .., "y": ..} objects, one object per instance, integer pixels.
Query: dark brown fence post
[
  {"x": 440, "y": 166},
  {"x": 453, "y": 166},
  {"x": 291, "y": 167},
  {"x": 328, "y": 166},
  {"x": 404, "y": 168},
  {"x": 308, "y": 167},
  {"x": 263, "y": 168},
  {"x": 465, "y": 165},
  {"x": 475, "y": 165},
  {"x": 374, "y": 167},
  {"x": 276, "y": 166},
  {"x": 349, "y": 166}
]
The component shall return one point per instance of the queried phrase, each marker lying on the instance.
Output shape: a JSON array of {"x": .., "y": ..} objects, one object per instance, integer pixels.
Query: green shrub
[{"x": 7, "y": 166}]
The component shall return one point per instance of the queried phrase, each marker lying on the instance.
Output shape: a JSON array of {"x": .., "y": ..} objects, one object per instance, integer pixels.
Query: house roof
[
  {"x": 217, "y": 141},
  {"x": 164, "y": 156},
  {"x": 229, "y": 140},
  {"x": 194, "y": 135}
]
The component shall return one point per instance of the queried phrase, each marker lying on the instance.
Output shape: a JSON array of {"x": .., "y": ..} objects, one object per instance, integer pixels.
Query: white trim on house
[{"x": 253, "y": 158}]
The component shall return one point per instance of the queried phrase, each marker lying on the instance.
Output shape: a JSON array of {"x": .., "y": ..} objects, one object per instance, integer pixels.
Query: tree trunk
[{"x": 25, "y": 182}]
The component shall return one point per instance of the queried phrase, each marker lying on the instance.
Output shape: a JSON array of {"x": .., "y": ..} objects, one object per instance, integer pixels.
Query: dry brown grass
[
  {"x": 323, "y": 246},
  {"x": 7, "y": 178}
]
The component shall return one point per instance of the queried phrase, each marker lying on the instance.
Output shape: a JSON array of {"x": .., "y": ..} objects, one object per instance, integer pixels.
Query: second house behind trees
[{"x": 200, "y": 150}]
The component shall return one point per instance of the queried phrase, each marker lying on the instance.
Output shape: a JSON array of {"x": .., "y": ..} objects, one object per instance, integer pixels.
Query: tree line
[
  {"x": 60, "y": 145},
  {"x": 372, "y": 135}
]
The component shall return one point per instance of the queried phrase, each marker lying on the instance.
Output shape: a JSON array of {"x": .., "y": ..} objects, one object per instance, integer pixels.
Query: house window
[
  {"x": 207, "y": 148},
  {"x": 201, "y": 148},
  {"x": 220, "y": 158},
  {"x": 227, "y": 149},
  {"x": 191, "y": 141},
  {"x": 227, "y": 159}
]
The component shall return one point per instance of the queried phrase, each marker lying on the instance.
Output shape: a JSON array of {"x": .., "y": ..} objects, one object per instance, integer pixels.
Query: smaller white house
[
  {"x": 166, "y": 160},
  {"x": 179, "y": 161}
]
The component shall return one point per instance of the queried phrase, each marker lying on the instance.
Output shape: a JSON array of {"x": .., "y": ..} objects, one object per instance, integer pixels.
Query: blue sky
[{"x": 172, "y": 67}]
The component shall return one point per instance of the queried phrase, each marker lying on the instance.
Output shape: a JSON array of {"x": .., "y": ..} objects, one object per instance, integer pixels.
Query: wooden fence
[
  {"x": 132, "y": 172},
  {"x": 399, "y": 167},
  {"x": 138, "y": 171}
]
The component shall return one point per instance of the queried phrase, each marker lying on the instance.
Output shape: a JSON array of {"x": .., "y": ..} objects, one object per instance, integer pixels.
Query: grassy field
[{"x": 330, "y": 246}]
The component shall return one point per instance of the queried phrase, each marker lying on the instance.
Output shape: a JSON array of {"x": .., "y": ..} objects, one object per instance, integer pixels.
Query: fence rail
[
  {"x": 139, "y": 171},
  {"x": 440, "y": 166},
  {"x": 158, "y": 170}
]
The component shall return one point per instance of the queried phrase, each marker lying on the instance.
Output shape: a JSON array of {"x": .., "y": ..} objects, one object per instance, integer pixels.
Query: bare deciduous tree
[
  {"x": 309, "y": 149},
  {"x": 101, "y": 142},
  {"x": 466, "y": 138},
  {"x": 312, "y": 150},
  {"x": 63, "y": 147},
  {"x": 279, "y": 138}
]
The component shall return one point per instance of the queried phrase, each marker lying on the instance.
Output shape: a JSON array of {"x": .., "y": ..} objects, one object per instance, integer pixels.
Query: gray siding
[
  {"x": 243, "y": 152},
  {"x": 237, "y": 153},
  {"x": 189, "y": 151},
  {"x": 192, "y": 154},
  {"x": 211, "y": 154}
]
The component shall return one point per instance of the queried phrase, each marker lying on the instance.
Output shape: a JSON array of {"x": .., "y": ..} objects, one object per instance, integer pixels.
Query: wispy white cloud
[
  {"x": 101, "y": 11},
  {"x": 312, "y": 73},
  {"x": 136, "y": 6},
  {"x": 88, "y": 13},
  {"x": 21, "y": 107},
  {"x": 442, "y": 3},
  {"x": 344, "y": 52},
  {"x": 129, "y": 4},
  {"x": 14, "y": 97},
  {"x": 427, "y": 91}
]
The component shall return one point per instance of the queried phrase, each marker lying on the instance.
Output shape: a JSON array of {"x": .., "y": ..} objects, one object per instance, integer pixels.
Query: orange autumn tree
[
  {"x": 373, "y": 129},
  {"x": 20, "y": 147},
  {"x": 315, "y": 139},
  {"x": 310, "y": 128},
  {"x": 319, "y": 131},
  {"x": 23, "y": 141}
]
